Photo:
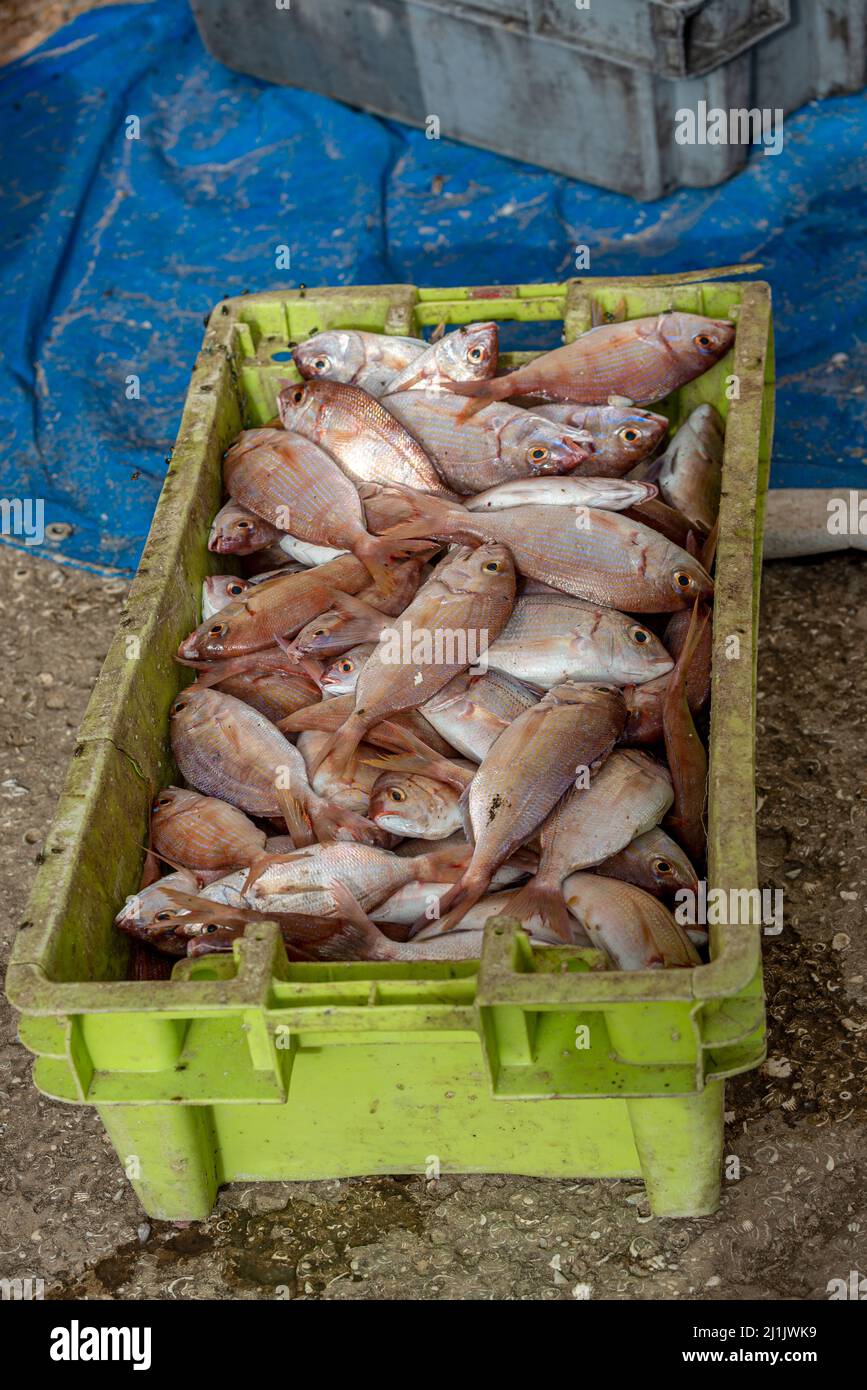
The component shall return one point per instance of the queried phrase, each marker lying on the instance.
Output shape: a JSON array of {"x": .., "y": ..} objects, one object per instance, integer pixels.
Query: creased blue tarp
[{"x": 114, "y": 249}]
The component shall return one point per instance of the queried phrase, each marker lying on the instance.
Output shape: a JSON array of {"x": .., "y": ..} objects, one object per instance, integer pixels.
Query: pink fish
[{"x": 642, "y": 359}]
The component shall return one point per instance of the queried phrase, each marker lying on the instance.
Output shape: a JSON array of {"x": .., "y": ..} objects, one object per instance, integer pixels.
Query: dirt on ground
[
  {"x": 26, "y": 23},
  {"x": 792, "y": 1219}
]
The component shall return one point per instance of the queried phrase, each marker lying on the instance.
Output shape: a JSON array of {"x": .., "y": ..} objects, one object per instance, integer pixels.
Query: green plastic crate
[{"x": 245, "y": 1067}]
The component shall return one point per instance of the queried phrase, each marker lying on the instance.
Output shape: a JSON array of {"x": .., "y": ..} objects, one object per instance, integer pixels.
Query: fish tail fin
[
  {"x": 257, "y": 866},
  {"x": 298, "y": 823},
  {"x": 405, "y": 384},
  {"x": 456, "y": 903},
  {"x": 375, "y": 553},
  {"x": 302, "y": 720},
  {"x": 398, "y": 762},
  {"x": 541, "y": 908},
  {"x": 416, "y": 550},
  {"x": 340, "y": 747},
  {"x": 442, "y": 865},
  {"x": 440, "y": 769},
  {"x": 264, "y": 861},
  {"x": 356, "y": 938},
  {"x": 495, "y": 388},
  {"x": 483, "y": 387},
  {"x": 473, "y": 405},
  {"x": 403, "y": 737},
  {"x": 432, "y": 515},
  {"x": 480, "y": 393},
  {"x": 333, "y": 822}
]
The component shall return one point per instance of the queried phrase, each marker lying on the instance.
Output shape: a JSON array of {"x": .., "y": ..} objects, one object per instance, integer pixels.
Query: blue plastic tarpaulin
[{"x": 115, "y": 248}]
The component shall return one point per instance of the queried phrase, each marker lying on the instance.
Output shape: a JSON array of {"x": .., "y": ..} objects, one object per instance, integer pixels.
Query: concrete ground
[{"x": 794, "y": 1219}]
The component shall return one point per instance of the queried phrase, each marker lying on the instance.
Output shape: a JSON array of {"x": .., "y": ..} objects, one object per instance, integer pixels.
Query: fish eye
[
  {"x": 217, "y": 630},
  {"x": 298, "y": 395},
  {"x": 628, "y": 435},
  {"x": 703, "y": 340},
  {"x": 682, "y": 579},
  {"x": 491, "y": 567},
  {"x": 662, "y": 866},
  {"x": 640, "y": 635},
  {"x": 210, "y": 926},
  {"x": 321, "y": 363},
  {"x": 178, "y": 706},
  {"x": 319, "y": 632},
  {"x": 397, "y": 794},
  {"x": 235, "y": 588},
  {"x": 539, "y": 453},
  {"x": 346, "y": 667},
  {"x": 602, "y": 689},
  {"x": 162, "y": 801},
  {"x": 244, "y": 525},
  {"x": 163, "y": 916},
  {"x": 476, "y": 354}
]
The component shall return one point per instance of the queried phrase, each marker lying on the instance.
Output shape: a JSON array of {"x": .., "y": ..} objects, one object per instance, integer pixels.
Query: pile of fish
[{"x": 461, "y": 674}]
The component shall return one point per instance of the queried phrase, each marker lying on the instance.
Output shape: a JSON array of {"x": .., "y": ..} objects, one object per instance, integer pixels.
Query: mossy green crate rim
[{"x": 240, "y": 1033}]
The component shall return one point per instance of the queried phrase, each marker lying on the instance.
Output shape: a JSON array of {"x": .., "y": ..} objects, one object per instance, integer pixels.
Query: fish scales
[
  {"x": 497, "y": 444},
  {"x": 470, "y": 594},
  {"x": 368, "y": 443},
  {"x": 593, "y": 554},
  {"x": 527, "y": 770},
  {"x": 642, "y": 359}
]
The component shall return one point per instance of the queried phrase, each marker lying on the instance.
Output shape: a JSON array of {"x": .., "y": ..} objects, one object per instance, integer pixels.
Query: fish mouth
[
  {"x": 305, "y": 368},
  {"x": 188, "y": 649},
  {"x": 726, "y": 330},
  {"x": 654, "y": 426},
  {"x": 568, "y": 456},
  {"x": 396, "y": 825},
  {"x": 651, "y": 670},
  {"x": 660, "y": 666}
]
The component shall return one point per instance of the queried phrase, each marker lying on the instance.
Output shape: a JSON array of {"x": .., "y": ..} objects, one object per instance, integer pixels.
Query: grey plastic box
[
  {"x": 672, "y": 38},
  {"x": 821, "y": 53},
  {"x": 495, "y": 73}
]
